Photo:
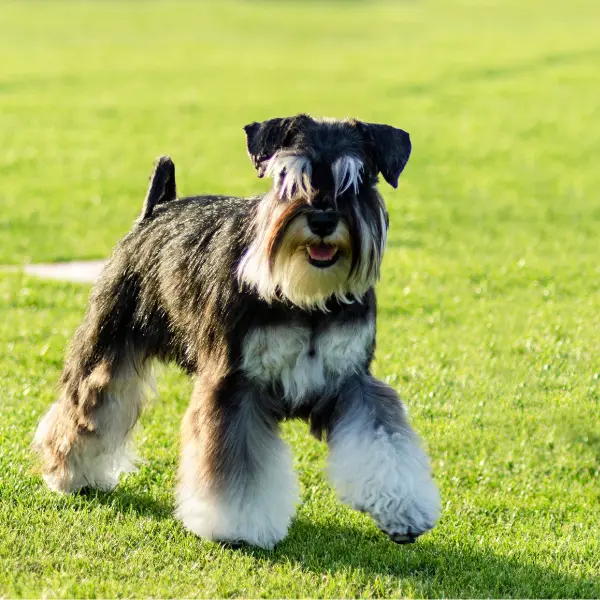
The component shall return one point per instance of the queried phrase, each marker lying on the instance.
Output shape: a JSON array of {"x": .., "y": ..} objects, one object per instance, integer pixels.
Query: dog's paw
[
  {"x": 403, "y": 538},
  {"x": 408, "y": 536},
  {"x": 407, "y": 528},
  {"x": 234, "y": 526},
  {"x": 406, "y": 518},
  {"x": 59, "y": 485}
]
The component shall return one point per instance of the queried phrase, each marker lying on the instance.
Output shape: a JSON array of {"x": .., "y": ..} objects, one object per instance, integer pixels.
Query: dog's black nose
[{"x": 322, "y": 223}]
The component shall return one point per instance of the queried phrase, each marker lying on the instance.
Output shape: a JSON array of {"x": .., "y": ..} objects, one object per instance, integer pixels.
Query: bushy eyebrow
[
  {"x": 347, "y": 172},
  {"x": 292, "y": 174}
]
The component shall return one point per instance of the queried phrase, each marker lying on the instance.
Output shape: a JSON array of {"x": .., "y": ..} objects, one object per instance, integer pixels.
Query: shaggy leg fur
[
  {"x": 377, "y": 464},
  {"x": 84, "y": 438},
  {"x": 236, "y": 482}
]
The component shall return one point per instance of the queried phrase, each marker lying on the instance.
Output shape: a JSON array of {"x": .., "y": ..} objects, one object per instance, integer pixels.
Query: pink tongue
[{"x": 321, "y": 252}]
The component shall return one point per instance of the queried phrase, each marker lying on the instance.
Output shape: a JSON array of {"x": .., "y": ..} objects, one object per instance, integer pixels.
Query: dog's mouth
[{"x": 322, "y": 255}]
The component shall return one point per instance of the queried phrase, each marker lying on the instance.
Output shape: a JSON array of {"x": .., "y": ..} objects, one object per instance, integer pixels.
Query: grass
[{"x": 489, "y": 305}]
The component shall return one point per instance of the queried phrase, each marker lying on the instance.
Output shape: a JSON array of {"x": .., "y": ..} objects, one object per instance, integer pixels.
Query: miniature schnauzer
[{"x": 269, "y": 302}]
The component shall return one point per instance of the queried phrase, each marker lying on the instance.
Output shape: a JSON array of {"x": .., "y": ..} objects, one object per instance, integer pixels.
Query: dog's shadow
[
  {"x": 429, "y": 567},
  {"x": 124, "y": 501}
]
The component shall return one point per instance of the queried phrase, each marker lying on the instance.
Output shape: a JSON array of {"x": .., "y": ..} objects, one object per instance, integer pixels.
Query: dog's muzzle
[{"x": 322, "y": 223}]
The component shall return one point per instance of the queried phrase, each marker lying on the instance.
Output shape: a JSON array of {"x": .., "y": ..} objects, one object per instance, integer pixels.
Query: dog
[{"x": 269, "y": 303}]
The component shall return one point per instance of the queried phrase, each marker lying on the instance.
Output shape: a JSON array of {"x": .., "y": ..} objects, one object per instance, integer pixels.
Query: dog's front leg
[
  {"x": 376, "y": 462},
  {"x": 236, "y": 482}
]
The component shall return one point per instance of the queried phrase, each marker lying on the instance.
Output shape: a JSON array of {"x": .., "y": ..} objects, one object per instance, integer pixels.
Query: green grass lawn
[{"x": 489, "y": 304}]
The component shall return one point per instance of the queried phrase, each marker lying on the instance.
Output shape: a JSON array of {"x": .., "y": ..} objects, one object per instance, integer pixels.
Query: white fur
[
  {"x": 98, "y": 460},
  {"x": 257, "y": 510},
  {"x": 254, "y": 268},
  {"x": 292, "y": 275},
  {"x": 292, "y": 174},
  {"x": 281, "y": 353},
  {"x": 368, "y": 274},
  {"x": 347, "y": 173},
  {"x": 384, "y": 474}
]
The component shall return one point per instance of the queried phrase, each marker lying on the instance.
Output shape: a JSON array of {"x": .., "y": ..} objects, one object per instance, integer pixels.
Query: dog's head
[{"x": 321, "y": 230}]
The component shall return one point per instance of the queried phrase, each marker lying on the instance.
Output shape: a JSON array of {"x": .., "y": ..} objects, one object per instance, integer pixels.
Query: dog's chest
[{"x": 302, "y": 361}]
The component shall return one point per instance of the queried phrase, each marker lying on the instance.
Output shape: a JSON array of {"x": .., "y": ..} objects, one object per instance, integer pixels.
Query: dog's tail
[{"x": 162, "y": 186}]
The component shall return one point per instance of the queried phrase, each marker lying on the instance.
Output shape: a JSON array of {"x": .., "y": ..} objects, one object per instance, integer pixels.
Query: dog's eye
[{"x": 347, "y": 195}]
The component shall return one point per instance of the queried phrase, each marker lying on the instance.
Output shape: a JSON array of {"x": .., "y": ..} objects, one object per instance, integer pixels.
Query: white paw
[
  {"x": 86, "y": 470},
  {"x": 404, "y": 517},
  {"x": 71, "y": 462},
  {"x": 217, "y": 521},
  {"x": 58, "y": 484},
  {"x": 387, "y": 476},
  {"x": 257, "y": 510}
]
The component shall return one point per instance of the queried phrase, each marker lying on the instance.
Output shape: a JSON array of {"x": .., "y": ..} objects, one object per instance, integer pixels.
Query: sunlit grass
[{"x": 489, "y": 320}]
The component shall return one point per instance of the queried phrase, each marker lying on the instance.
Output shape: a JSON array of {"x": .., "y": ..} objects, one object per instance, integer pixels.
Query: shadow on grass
[
  {"x": 433, "y": 568},
  {"x": 126, "y": 502}
]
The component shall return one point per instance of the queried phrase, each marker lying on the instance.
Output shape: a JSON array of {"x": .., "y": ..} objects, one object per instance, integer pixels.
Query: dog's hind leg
[
  {"x": 84, "y": 439},
  {"x": 376, "y": 462},
  {"x": 236, "y": 482}
]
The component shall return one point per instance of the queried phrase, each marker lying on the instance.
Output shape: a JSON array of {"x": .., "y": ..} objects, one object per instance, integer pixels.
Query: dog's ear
[
  {"x": 388, "y": 148},
  {"x": 266, "y": 138}
]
